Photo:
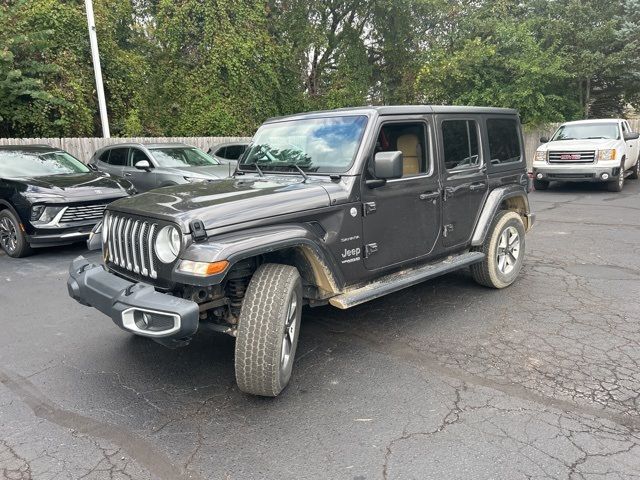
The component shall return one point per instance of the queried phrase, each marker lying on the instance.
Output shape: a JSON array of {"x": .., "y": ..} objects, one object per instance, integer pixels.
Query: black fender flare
[
  {"x": 492, "y": 205},
  {"x": 236, "y": 246}
]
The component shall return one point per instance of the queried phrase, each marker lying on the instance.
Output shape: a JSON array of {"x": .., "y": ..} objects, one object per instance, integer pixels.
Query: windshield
[
  {"x": 586, "y": 131},
  {"x": 26, "y": 164},
  {"x": 325, "y": 145},
  {"x": 182, "y": 157}
]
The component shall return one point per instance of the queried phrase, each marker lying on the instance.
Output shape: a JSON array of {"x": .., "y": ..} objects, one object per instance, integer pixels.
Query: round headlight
[{"x": 168, "y": 244}]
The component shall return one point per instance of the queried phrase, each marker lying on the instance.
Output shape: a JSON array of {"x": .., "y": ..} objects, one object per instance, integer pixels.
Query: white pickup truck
[{"x": 588, "y": 151}]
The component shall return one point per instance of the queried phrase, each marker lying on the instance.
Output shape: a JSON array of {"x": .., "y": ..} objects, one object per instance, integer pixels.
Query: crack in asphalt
[{"x": 138, "y": 448}]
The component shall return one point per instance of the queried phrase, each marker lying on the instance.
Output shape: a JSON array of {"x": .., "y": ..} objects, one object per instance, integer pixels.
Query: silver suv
[{"x": 155, "y": 165}]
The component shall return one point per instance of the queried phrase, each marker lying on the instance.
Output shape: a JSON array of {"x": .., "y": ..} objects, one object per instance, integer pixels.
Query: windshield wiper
[
  {"x": 297, "y": 167},
  {"x": 259, "y": 170}
]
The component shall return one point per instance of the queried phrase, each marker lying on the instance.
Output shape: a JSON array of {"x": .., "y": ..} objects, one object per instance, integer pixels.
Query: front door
[
  {"x": 464, "y": 177},
  {"x": 402, "y": 218},
  {"x": 143, "y": 180}
]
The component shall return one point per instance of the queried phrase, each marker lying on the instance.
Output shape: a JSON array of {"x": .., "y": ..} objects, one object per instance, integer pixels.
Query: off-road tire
[
  {"x": 540, "y": 184},
  {"x": 487, "y": 272},
  {"x": 635, "y": 170},
  {"x": 261, "y": 329},
  {"x": 22, "y": 247},
  {"x": 618, "y": 184}
]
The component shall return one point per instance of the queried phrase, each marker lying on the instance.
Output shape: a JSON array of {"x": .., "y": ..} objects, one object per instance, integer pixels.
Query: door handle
[
  {"x": 477, "y": 186},
  {"x": 429, "y": 196},
  {"x": 128, "y": 174}
]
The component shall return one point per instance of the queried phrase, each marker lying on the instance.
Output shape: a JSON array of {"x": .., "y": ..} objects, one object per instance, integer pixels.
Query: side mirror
[
  {"x": 143, "y": 165},
  {"x": 544, "y": 139},
  {"x": 388, "y": 165},
  {"x": 91, "y": 166},
  {"x": 631, "y": 135}
]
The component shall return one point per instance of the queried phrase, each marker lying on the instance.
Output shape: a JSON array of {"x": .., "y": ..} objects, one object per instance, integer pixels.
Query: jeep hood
[
  {"x": 577, "y": 145},
  {"x": 226, "y": 202}
]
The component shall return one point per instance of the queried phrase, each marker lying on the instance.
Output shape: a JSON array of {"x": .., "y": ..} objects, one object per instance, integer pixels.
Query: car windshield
[
  {"x": 587, "y": 131},
  {"x": 326, "y": 145},
  {"x": 182, "y": 157},
  {"x": 15, "y": 163}
]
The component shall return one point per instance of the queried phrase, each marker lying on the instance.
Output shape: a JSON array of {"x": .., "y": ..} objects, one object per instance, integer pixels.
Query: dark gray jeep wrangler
[{"x": 336, "y": 207}]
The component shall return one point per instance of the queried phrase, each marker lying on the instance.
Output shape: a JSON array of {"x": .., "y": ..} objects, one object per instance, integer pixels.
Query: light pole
[{"x": 102, "y": 104}]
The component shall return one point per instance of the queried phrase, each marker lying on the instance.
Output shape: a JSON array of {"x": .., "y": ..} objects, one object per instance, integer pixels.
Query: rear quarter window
[{"x": 504, "y": 141}]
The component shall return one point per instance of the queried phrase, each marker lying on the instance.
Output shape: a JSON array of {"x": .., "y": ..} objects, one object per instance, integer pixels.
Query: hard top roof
[{"x": 401, "y": 110}]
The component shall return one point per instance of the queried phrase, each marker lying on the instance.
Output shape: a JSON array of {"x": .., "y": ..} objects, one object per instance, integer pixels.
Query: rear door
[
  {"x": 401, "y": 218},
  {"x": 114, "y": 161},
  {"x": 463, "y": 176}
]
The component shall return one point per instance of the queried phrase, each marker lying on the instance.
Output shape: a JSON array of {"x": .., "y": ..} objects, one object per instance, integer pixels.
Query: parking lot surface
[{"x": 443, "y": 380}]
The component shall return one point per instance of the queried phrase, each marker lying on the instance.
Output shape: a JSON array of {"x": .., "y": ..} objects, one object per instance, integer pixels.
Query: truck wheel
[
  {"x": 268, "y": 330},
  {"x": 618, "y": 183},
  {"x": 635, "y": 171},
  {"x": 540, "y": 184},
  {"x": 12, "y": 238},
  {"x": 504, "y": 252}
]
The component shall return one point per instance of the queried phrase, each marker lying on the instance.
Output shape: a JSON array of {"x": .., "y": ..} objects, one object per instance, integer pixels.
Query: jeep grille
[
  {"x": 572, "y": 157},
  {"x": 129, "y": 244}
]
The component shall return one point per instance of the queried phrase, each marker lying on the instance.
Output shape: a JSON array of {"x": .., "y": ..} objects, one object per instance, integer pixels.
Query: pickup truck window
[
  {"x": 587, "y": 131},
  {"x": 504, "y": 141},
  {"x": 461, "y": 144},
  {"x": 326, "y": 145}
]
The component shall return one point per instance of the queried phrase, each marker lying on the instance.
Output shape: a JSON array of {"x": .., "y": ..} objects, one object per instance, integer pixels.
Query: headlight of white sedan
[
  {"x": 167, "y": 245},
  {"x": 604, "y": 155},
  {"x": 541, "y": 156},
  {"x": 196, "y": 179}
]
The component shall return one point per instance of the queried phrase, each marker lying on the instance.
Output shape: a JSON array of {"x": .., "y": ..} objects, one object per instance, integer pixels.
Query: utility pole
[{"x": 102, "y": 104}]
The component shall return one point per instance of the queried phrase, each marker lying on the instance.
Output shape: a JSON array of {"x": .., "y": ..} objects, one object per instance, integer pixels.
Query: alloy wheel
[
  {"x": 508, "y": 250},
  {"x": 8, "y": 235},
  {"x": 289, "y": 334}
]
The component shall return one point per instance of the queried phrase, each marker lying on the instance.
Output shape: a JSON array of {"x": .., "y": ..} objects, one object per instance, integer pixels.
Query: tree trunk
[{"x": 587, "y": 97}]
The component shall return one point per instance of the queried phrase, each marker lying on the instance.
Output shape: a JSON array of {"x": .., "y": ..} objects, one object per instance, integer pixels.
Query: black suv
[
  {"x": 336, "y": 207},
  {"x": 48, "y": 197}
]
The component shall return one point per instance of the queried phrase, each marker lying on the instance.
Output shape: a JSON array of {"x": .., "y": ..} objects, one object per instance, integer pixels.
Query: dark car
[
  {"x": 228, "y": 151},
  {"x": 337, "y": 207},
  {"x": 150, "y": 166},
  {"x": 48, "y": 197}
]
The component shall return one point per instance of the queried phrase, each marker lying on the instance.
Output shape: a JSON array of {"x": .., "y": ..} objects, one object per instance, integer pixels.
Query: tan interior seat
[{"x": 409, "y": 145}]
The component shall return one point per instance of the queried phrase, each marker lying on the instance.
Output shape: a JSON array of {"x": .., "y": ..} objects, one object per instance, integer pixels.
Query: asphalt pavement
[{"x": 445, "y": 380}]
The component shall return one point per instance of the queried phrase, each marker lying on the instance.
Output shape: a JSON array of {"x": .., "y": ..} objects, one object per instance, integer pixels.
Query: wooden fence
[{"x": 83, "y": 148}]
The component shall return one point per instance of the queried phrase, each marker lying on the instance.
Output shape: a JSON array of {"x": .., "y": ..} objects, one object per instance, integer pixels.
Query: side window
[
  {"x": 504, "y": 141},
  {"x": 220, "y": 152},
  {"x": 136, "y": 156},
  {"x": 461, "y": 144},
  {"x": 118, "y": 157},
  {"x": 234, "y": 152},
  {"x": 411, "y": 140},
  {"x": 104, "y": 156}
]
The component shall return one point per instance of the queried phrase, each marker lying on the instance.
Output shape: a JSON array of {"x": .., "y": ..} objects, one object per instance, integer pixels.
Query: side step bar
[{"x": 405, "y": 278}]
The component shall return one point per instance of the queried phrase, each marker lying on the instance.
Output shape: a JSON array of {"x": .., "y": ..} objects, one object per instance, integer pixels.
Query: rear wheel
[
  {"x": 540, "y": 184},
  {"x": 504, "y": 252},
  {"x": 635, "y": 171},
  {"x": 12, "y": 238},
  {"x": 268, "y": 330}
]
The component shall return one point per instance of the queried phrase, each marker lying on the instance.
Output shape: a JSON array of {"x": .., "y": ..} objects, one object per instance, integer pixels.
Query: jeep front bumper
[{"x": 134, "y": 307}]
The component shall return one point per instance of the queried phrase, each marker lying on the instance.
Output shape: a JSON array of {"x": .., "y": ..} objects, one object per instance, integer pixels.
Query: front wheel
[
  {"x": 540, "y": 184},
  {"x": 504, "y": 252},
  {"x": 618, "y": 183},
  {"x": 268, "y": 330},
  {"x": 12, "y": 238}
]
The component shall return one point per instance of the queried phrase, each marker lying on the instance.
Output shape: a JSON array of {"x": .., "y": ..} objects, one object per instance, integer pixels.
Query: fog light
[
  {"x": 142, "y": 319},
  {"x": 605, "y": 176},
  {"x": 539, "y": 176}
]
